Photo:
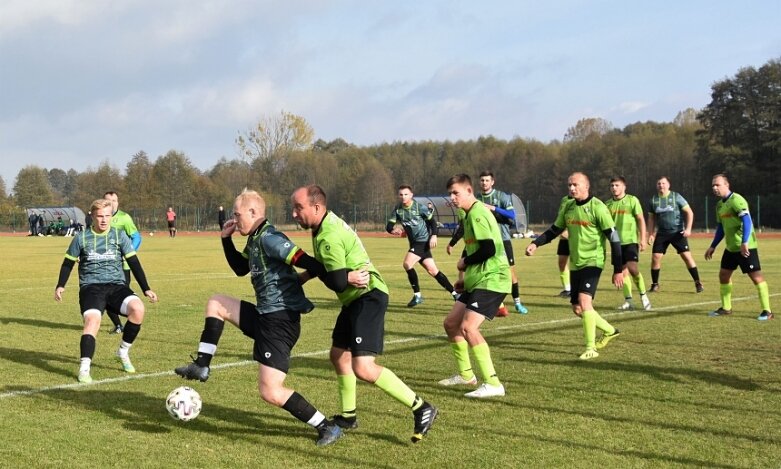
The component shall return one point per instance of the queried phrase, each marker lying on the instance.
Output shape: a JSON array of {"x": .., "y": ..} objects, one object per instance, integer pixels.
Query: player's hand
[
  {"x": 228, "y": 228},
  {"x": 641, "y": 245},
  {"x": 358, "y": 278},
  {"x": 490, "y": 207},
  {"x": 449, "y": 249},
  {"x": 709, "y": 253},
  {"x": 744, "y": 250},
  {"x": 686, "y": 233},
  {"x": 151, "y": 295},
  {"x": 432, "y": 242},
  {"x": 459, "y": 286},
  {"x": 651, "y": 239},
  {"x": 461, "y": 265},
  {"x": 530, "y": 249},
  {"x": 618, "y": 280},
  {"x": 58, "y": 293}
]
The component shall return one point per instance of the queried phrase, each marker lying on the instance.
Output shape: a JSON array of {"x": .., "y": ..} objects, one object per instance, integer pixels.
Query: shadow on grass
[
  {"x": 42, "y": 360},
  {"x": 147, "y": 414},
  {"x": 42, "y": 323}
]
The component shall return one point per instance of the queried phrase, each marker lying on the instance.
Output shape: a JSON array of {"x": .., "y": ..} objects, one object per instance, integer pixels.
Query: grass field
[{"x": 676, "y": 389}]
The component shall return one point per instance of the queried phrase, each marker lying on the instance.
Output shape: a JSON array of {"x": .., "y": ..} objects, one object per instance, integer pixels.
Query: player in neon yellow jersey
[{"x": 735, "y": 228}]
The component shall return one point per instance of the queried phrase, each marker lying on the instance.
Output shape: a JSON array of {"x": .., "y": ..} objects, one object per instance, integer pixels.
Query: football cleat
[
  {"x": 84, "y": 377},
  {"x": 698, "y": 286},
  {"x": 602, "y": 342},
  {"x": 457, "y": 380},
  {"x": 626, "y": 306},
  {"x": 519, "y": 307},
  {"x": 486, "y": 390},
  {"x": 345, "y": 423},
  {"x": 589, "y": 354},
  {"x": 117, "y": 330},
  {"x": 564, "y": 294},
  {"x": 424, "y": 419},
  {"x": 502, "y": 312},
  {"x": 654, "y": 288},
  {"x": 646, "y": 302},
  {"x": 416, "y": 300},
  {"x": 765, "y": 316},
  {"x": 328, "y": 434},
  {"x": 193, "y": 371},
  {"x": 124, "y": 358},
  {"x": 720, "y": 312}
]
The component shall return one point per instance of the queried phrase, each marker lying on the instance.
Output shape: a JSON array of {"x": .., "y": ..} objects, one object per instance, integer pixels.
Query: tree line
[{"x": 737, "y": 133}]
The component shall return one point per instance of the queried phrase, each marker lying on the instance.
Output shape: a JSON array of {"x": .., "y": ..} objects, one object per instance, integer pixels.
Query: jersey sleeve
[
  {"x": 278, "y": 246},
  {"x": 126, "y": 245},
  {"x": 392, "y": 219},
  {"x": 739, "y": 205},
  {"x": 74, "y": 249},
  {"x": 603, "y": 218},
  {"x": 506, "y": 201},
  {"x": 560, "y": 221},
  {"x": 425, "y": 213},
  {"x": 680, "y": 201},
  {"x": 481, "y": 227},
  {"x": 635, "y": 208}
]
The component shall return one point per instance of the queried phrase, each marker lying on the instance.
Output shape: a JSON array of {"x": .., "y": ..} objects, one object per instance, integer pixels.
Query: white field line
[{"x": 29, "y": 392}]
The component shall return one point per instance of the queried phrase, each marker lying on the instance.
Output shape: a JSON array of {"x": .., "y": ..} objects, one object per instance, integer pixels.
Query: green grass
[{"x": 676, "y": 389}]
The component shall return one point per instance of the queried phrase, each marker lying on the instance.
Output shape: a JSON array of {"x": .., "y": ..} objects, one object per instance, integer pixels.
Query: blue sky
[{"x": 87, "y": 81}]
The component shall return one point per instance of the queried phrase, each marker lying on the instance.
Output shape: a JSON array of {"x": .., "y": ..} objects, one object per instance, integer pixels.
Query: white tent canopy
[
  {"x": 446, "y": 216},
  {"x": 50, "y": 214}
]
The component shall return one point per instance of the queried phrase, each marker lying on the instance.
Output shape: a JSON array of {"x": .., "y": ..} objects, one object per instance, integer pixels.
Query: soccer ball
[{"x": 183, "y": 403}]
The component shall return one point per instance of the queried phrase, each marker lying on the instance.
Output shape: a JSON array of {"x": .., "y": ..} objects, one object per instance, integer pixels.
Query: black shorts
[
  {"x": 662, "y": 240},
  {"x": 584, "y": 281},
  {"x": 105, "y": 296},
  {"x": 508, "y": 250},
  {"x": 360, "y": 326},
  {"x": 172, "y": 224},
  {"x": 485, "y": 302},
  {"x": 733, "y": 260},
  {"x": 420, "y": 249},
  {"x": 630, "y": 253},
  {"x": 275, "y": 334},
  {"x": 563, "y": 248}
]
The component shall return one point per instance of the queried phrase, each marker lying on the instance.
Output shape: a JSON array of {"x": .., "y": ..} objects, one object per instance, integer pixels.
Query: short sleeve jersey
[
  {"x": 124, "y": 222},
  {"x": 667, "y": 212},
  {"x": 337, "y": 246},
  {"x": 413, "y": 219},
  {"x": 100, "y": 256},
  {"x": 729, "y": 213},
  {"x": 585, "y": 222},
  {"x": 277, "y": 287},
  {"x": 493, "y": 274},
  {"x": 625, "y": 212},
  {"x": 502, "y": 200}
]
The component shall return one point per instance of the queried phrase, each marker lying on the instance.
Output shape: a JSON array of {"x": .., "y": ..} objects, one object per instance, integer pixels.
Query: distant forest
[{"x": 738, "y": 133}]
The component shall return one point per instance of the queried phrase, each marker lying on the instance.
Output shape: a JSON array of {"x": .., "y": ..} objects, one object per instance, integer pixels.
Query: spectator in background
[
  {"x": 221, "y": 217},
  {"x": 41, "y": 225},
  {"x": 33, "y": 220},
  {"x": 88, "y": 220},
  {"x": 170, "y": 216}
]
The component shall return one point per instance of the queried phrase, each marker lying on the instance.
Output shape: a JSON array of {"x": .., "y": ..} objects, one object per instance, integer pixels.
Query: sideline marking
[{"x": 30, "y": 392}]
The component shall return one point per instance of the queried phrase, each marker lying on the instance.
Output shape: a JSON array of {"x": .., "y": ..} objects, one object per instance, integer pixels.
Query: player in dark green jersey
[
  {"x": 487, "y": 280},
  {"x": 589, "y": 224},
  {"x": 99, "y": 252},
  {"x": 359, "y": 331},
  {"x": 734, "y": 226},
  {"x": 274, "y": 321},
  {"x": 627, "y": 213},
  {"x": 124, "y": 222},
  {"x": 666, "y": 213},
  {"x": 417, "y": 221}
]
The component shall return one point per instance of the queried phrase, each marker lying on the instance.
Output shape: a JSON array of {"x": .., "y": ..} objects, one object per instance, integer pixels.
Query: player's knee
[
  {"x": 271, "y": 394},
  {"x": 578, "y": 310}
]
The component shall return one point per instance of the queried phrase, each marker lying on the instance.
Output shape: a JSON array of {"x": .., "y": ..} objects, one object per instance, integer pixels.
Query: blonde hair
[
  {"x": 98, "y": 204},
  {"x": 252, "y": 198}
]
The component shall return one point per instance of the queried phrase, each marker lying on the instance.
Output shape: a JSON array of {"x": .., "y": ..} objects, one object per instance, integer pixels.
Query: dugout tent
[
  {"x": 447, "y": 219},
  {"x": 50, "y": 214}
]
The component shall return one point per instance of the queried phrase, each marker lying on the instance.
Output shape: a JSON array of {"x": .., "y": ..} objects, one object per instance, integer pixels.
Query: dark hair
[
  {"x": 406, "y": 186},
  {"x": 459, "y": 179},
  {"x": 316, "y": 194},
  {"x": 721, "y": 175},
  {"x": 110, "y": 193},
  {"x": 487, "y": 173},
  {"x": 618, "y": 179},
  {"x": 665, "y": 177}
]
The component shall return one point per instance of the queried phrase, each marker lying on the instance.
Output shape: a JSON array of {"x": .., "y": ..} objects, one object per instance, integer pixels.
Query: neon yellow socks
[
  {"x": 461, "y": 352},
  {"x": 395, "y": 387},
  {"x": 485, "y": 364},
  {"x": 591, "y": 321},
  {"x": 764, "y": 297},
  {"x": 725, "y": 290}
]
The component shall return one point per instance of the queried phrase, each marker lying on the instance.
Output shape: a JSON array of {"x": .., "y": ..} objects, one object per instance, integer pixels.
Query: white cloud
[{"x": 631, "y": 107}]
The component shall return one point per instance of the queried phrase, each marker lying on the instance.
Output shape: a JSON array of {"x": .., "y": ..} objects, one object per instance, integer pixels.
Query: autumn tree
[{"x": 32, "y": 188}]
